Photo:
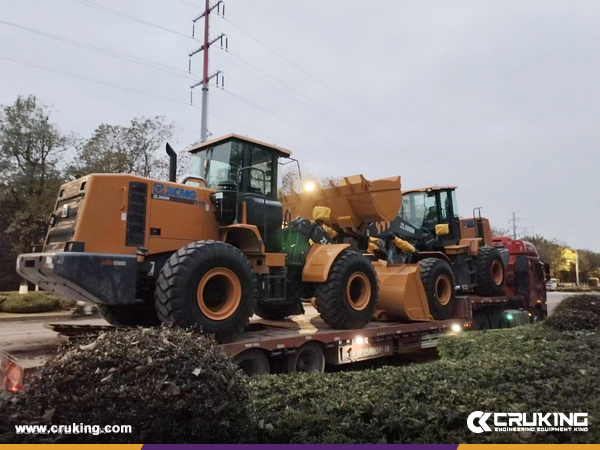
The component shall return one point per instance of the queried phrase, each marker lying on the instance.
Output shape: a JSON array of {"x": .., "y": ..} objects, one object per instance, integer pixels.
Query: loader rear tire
[
  {"x": 491, "y": 272},
  {"x": 347, "y": 299},
  {"x": 438, "y": 282},
  {"x": 129, "y": 315},
  {"x": 208, "y": 286}
]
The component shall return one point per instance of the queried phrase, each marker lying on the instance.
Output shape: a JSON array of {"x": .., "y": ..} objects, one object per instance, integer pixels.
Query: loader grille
[
  {"x": 64, "y": 218},
  {"x": 136, "y": 214}
]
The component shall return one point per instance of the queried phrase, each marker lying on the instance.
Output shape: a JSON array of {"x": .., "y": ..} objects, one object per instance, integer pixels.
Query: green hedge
[
  {"x": 577, "y": 312},
  {"x": 524, "y": 369},
  {"x": 33, "y": 302}
]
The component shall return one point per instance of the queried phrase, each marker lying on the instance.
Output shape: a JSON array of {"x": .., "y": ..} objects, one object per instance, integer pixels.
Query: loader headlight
[
  {"x": 309, "y": 186},
  {"x": 456, "y": 328}
]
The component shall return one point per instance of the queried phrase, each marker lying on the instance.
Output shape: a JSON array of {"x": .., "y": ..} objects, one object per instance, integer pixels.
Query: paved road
[
  {"x": 554, "y": 299},
  {"x": 29, "y": 340}
]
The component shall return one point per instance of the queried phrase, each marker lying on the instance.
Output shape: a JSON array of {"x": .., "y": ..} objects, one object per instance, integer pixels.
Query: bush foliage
[
  {"x": 169, "y": 385},
  {"x": 577, "y": 312},
  {"x": 525, "y": 369},
  {"x": 147, "y": 378},
  {"x": 33, "y": 302}
]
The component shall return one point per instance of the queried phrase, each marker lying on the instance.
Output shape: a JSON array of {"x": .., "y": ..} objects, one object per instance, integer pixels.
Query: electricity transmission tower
[
  {"x": 205, "y": 48},
  {"x": 514, "y": 221}
]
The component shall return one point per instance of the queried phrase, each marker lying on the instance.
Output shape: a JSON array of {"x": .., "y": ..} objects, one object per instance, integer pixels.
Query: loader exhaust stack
[{"x": 172, "y": 163}]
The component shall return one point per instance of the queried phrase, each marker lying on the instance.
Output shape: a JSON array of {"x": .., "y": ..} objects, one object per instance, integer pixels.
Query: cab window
[
  {"x": 261, "y": 180},
  {"x": 218, "y": 163}
]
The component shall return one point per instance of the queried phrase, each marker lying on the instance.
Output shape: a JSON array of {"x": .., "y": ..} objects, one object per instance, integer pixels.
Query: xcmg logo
[
  {"x": 161, "y": 190},
  {"x": 478, "y": 422}
]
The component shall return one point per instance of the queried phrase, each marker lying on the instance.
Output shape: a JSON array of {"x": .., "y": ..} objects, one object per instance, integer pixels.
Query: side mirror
[{"x": 442, "y": 229}]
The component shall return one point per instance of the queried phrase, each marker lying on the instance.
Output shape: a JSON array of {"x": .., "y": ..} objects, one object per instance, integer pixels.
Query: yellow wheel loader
[
  {"x": 429, "y": 220},
  {"x": 210, "y": 251}
]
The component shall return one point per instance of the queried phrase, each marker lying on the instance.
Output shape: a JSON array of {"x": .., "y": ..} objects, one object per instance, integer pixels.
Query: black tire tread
[
  {"x": 427, "y": 268},
  {"x": 485, "y": 283},
  {"x": 327, "y": 302},
  {"x": 168, "y": 298}
]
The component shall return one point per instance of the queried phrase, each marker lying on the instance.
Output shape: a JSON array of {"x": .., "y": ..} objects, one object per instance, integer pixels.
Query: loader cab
[
  {"x": 425, "y": 208},
  {"x": 243, "y": 172}
]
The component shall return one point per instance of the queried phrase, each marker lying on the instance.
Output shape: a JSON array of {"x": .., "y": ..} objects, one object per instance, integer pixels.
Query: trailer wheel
[
  {"x": 491, "y": 272},
  {"x": 253, "y": 362},
  {"x": 347, "y": 299},
  {"x": 294, "y": 292},
  {"x": 439, "y": 285},
  {"x": 129, "y": 315},
  {"x": 208, "y": 286},
  {"x": 481, "y": 321},
  {"x": 309, "y": 357}
]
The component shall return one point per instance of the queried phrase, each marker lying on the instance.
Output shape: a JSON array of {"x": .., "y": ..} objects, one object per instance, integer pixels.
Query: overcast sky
[{"x": 499, "y": 98}]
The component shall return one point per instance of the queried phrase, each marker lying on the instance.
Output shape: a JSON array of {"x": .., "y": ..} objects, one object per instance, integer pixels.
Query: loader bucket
[
  {"x": 401, "y": 293},
  {"x": 353, "y": 202}
]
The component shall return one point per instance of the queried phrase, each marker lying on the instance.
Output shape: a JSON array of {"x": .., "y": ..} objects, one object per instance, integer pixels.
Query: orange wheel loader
[{"x": 210, "y": 251}]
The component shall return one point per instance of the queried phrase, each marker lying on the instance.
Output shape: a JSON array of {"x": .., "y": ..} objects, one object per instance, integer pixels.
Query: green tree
[
  {"x": 550, "y": 251},
  {"x": 136, "y": 149},
  {"x": 30, "y": 147}
]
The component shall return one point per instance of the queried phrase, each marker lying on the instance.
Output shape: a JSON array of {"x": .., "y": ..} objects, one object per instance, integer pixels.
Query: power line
[
  {"x": 66, "y": 105},
  {"x": 95, "y": 5},
  {"x": 112, "y": 53},
  {"x": 93, "y": 80},
  {"x": 127, "y": 16},
  {"x": 366, "y": 111}
]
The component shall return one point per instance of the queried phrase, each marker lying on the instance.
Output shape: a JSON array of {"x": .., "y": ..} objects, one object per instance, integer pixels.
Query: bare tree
[{"x": 117, "y": 149}]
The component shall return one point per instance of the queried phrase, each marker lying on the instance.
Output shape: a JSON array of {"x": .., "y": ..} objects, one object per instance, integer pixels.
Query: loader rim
[
  {"x": 497, "y": 272},
  {"x": 443, "y": 289},
  {"x": 219, "y": 293},
  {"x": 358, "y": 291}
]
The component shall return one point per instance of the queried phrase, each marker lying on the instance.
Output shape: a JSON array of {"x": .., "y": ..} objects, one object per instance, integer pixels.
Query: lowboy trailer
[{"x": 305, "y": 343}]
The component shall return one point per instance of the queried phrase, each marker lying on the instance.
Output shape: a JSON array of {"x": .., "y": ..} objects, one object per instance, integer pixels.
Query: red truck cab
[{"x": 525, "y": 276}]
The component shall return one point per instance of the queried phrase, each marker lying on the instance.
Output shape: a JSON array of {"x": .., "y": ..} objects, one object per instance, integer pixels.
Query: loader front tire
[
  {"x": 347, "y": 299},
  {"x": 438, "y": 282},
  {"x": 490, "y": 272},
  {"x": 130, "y": 315},
  {"x": 208, "y": 286}
]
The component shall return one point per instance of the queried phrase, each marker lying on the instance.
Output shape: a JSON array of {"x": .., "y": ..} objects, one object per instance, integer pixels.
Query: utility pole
[
  {"x": 514, "y": 224},
  {"x": 205, "y": 48},
  {"x": 576, "y": 268}
]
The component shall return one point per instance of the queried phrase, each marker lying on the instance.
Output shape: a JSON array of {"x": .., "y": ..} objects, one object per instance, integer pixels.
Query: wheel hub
[
  {"x": 358, "y": 291},
  {"x": 219, "y": 293}
]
